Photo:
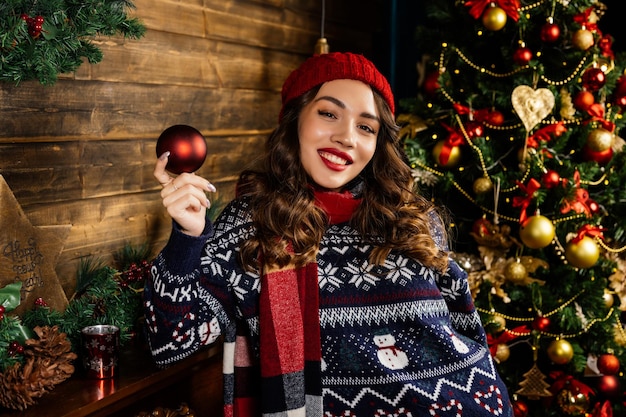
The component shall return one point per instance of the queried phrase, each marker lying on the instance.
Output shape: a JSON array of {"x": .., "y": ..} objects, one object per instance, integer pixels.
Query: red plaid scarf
[{"x": 290, "y": 342}]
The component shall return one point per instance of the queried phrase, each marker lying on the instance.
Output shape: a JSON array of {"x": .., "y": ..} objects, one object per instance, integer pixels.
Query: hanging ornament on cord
[{"x": 322, "y": 47}]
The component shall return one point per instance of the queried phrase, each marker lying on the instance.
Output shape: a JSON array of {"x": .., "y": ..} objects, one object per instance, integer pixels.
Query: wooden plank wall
[{"x": 81, "y": 152}]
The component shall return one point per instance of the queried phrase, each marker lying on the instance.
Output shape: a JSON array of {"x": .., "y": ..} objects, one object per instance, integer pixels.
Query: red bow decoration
[
  {"x": 603, "y": 410},
  {"x": 583, "y": 20},
  {"x": 596, "y": 111},
  {"x": 479, "y": 115},
  {"x": 505, "y": 337},
  {"x": 579, "y": 203},
  {"x": 588, "y": 230},
  {"x": 561, "y": 380},
  {"x": 523, "y": 202},
  {"x": 454, "y": 139},
  {"x": 545, "y": 133},
  {"x": 477, "y": 7}
]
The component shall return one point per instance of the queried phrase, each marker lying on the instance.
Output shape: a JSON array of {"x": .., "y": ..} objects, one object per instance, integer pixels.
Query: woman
[{"x": 327, "y": 276}]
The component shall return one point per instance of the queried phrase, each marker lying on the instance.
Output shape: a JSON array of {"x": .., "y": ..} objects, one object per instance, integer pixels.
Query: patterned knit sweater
[{"x": 397, "y": 339}]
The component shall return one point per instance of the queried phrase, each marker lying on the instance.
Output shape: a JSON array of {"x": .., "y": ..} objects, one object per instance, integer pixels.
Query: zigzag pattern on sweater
[
  {"x": 379, "y": 314},
  {"x": 432, "y": 394}
]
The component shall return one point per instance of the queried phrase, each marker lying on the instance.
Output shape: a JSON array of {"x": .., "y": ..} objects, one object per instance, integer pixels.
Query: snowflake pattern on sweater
[{"x": 398, "y": 339}]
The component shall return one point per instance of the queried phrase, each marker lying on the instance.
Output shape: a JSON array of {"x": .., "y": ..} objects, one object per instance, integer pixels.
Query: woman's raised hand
[{"x": 184, "y": 197}]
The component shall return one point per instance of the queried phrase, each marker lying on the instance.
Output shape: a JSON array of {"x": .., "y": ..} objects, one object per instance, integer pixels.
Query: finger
[
  {"x": 189, "y": 194},
  {"x": 195, "y": 180},
  {"x": 159, "y": 170}
]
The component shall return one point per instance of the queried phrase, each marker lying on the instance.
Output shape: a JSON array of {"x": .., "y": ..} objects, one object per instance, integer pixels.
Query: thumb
[{"x": 159, "y": 169}]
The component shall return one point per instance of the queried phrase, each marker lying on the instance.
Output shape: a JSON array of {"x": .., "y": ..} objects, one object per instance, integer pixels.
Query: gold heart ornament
[{"x": 531, "y": 105}]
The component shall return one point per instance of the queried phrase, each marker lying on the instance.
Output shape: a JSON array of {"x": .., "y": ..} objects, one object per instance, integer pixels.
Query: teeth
[{"x": 333, "y": 158}]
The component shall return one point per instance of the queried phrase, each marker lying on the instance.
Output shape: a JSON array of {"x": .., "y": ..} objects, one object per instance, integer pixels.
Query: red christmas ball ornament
[
  {"x": 431, "y": 84},
  {"x": 495, "y": 118},
  {"x": 550, "y": 32},
  {"x": 593, "y": 79},
  {"x": 609, "y": 387},
  {"x": 474, "y": 129},
  {"x": 541, "y": 324},
  {"x": 583, "y": 100},
  {"x": 608, "y": 364},
  {"x": 522, "y": 55},
  {"x": 551, "y": 179},
  {"x": 482, "y": 227},
  {"x": 593, "y": 205},
  {"x": 520, "y": 408},
  {"x": 187, "y": 148},
  {"x": 602, "y": 158}
]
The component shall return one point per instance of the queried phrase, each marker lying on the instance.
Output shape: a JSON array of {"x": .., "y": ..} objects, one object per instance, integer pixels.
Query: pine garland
[
  {"x": 40, "y": 39},
  {"x": 104, "y": 295}
]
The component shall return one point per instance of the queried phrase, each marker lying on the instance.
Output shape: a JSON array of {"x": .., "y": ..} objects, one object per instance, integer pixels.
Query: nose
[{"x": 345, "y": 135}]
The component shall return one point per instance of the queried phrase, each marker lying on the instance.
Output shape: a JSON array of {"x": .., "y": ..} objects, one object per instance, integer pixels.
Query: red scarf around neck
[{"x": 290, "y": 342}]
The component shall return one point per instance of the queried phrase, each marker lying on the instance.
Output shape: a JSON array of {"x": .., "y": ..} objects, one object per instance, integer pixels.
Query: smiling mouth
[{"x": 332, "y": 158}]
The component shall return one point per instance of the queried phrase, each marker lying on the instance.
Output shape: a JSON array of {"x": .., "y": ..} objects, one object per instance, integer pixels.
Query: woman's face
[{"x": 337, "y": 132}]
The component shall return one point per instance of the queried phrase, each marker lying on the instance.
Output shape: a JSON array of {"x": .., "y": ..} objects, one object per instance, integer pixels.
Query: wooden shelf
[{"x": 139, "y": 386}]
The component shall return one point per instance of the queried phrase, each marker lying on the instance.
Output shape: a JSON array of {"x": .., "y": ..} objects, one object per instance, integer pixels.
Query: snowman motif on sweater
[{"x": 388, "y": 354}]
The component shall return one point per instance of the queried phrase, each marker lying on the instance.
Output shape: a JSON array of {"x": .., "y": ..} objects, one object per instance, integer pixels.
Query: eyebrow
[{"x": 343, "y": 106}]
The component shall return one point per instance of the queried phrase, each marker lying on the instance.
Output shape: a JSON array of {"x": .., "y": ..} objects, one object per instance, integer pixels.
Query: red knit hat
[{"x": 319, "y": 69}]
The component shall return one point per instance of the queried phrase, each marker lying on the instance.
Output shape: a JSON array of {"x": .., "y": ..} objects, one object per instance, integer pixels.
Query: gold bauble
[
  {"x": 482, "y": 185},
  {"x": 572, "y": 402},
  {"x": 502, "y": 352},
  {"x": 537, "y": 232},
  {"x": 496, "y": 323},
  {"x": 560, "y": 351},
  {"x": 494, "y": 18},
  {"x": 582, "y": 254},
  {"x": 600, "y": 140},
  {"x": 582, "y": 39},
  {"x": 515, "y": 272},
  {"x": 453, "y": 158},
  {"x": 608, "y": 298}
]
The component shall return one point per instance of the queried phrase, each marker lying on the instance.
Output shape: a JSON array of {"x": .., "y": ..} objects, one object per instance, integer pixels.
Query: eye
[
  {"x": 368, "y": 129},
  {"x": 325, "y": 113}
]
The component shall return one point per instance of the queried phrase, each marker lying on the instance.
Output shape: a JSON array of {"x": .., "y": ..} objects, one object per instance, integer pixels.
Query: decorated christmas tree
[{"x": 516, "y": 131}]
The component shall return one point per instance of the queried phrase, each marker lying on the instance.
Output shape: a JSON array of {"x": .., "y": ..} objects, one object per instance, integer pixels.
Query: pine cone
[{"x": 48, "y": 362}]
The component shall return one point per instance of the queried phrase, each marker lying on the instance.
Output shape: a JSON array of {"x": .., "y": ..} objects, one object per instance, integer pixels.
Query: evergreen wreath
[{"x": 40, "y": 39}]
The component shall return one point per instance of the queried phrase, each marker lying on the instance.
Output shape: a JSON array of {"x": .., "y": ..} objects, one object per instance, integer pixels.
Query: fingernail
[
  {"x": 210, "y": 187},
  {"x": 208, "y": 203},
  {"x": 165, "y": 155}
]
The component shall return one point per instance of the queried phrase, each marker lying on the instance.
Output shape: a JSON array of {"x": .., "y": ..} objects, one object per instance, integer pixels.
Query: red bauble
[
  {"x": 520, "y": 408},
  {"x": 495, "y": 117},
  {"x": 583, "y": 100},
  {"x": 541, "y": 324},
  {"x": 482, "y": 227},
  {"x": 608, "y": 364},
  {"x": 601, "y": 158},
  {"x": 593, "y": 79},
  {"x": 522, "y": 55},
  {"x": 187, "y": 148},
  {"x": 431, "y": 84},
  {"x": 474, "y": 129},
  {"x": 609, "y": 387},
  {"x": 551, "y": 179},
  {"x": 594, "y": 207},
  {"x": 550, "y": 32}
]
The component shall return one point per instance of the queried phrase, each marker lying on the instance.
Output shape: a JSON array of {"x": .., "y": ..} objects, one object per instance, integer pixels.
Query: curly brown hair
[{"x": 392, "y": 215}]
